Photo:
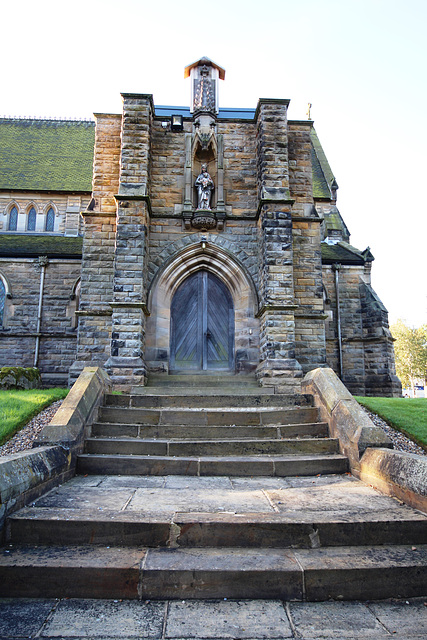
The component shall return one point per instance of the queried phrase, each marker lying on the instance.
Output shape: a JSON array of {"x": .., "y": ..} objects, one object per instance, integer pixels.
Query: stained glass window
[
  {"x": 32, "y": 217},
  {"x": 13, "y": 219},
  {"x": 2, "y": 300},
  {"x": 50, "y": 220}
]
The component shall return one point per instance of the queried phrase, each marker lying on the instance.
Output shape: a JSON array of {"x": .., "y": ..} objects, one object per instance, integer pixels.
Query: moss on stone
[{"x": 19, "y": 378}]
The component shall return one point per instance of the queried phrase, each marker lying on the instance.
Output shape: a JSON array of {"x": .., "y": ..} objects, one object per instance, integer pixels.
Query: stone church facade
[{"x": 209, "y": 241}]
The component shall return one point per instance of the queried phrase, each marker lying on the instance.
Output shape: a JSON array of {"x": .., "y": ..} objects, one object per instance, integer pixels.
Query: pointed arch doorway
[{"x": 202, "y": 325}]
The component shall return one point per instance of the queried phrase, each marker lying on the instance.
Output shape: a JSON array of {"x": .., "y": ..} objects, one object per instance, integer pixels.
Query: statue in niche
[
  {"x": 204, "y": 91},
  {"x": 204, "y": 185}
]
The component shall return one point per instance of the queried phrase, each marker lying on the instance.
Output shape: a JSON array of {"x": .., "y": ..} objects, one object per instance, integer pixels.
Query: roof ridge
[{"x": 48, "y": 119}]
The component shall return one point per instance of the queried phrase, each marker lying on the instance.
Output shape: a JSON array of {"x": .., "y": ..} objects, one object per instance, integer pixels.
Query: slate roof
[
  {"x": 344, "y": 253},
  {"x": 322, "y": 172},
  {"x": 28, "y": 245},
  {"x": 46, "y": 155}
]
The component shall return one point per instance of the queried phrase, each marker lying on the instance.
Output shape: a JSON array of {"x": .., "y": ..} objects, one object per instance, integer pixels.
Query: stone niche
[{"x": 204, "y": 147}]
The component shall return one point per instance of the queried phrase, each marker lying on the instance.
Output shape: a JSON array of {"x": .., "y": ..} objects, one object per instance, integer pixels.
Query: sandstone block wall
[{"x": 57, "y": 335}]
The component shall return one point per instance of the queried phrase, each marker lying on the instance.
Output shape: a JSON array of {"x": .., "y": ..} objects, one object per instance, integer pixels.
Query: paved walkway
[{"x": 219, "y": 619}]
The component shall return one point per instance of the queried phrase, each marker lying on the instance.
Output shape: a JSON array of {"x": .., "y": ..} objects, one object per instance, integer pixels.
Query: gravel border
[
  {"x": 25, "y": 437},
  {"x": 400, "y": 441}
]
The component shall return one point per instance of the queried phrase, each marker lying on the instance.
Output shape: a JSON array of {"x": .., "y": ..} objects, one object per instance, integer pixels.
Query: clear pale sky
[{"x": 361, "y": 63}]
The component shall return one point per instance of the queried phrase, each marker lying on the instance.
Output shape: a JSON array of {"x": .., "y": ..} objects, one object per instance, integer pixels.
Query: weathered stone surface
[
  {"x": 395, "y": 473},
  {"x": 335, "y": 620},
  {"x": 242, "y": 619},
  {"x": 72, "y": 571},
  {"x": 92, "y": 618},
  {"x": 212, "y": 573},
  {"x": 347, "y": 421},
  {"x": 77, "y": 411}
]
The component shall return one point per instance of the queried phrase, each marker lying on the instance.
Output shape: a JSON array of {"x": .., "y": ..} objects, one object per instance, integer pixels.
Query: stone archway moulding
[{"x": 207, "y": 256}]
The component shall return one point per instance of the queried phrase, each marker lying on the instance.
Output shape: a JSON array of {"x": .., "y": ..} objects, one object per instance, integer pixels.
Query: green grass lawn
[
  {"x": 408, "y": 415},
  {"x": 18, "y": 407}
]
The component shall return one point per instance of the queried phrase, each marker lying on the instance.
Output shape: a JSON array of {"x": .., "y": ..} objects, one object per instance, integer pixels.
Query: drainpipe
[
  {"x": 42, "y": 263},
  {"x": 336, "y": 268}
]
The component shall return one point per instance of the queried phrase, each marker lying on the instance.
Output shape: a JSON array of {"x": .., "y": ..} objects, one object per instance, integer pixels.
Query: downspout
[
  {"x": 336, "y": 268},
  {"x": 42, "y": 263}
]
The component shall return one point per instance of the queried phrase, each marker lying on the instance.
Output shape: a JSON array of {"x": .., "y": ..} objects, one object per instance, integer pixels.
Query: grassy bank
[
  {"x": 18, "y": 407},
  {"x": 408, "y": 415}
]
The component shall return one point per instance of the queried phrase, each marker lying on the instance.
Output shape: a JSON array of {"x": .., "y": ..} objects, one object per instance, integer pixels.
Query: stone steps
[
  {"x": 117, "y": 430},
  {"x": 297, "y": 528},
  {"x": 210, "y": 417},
  {"x": 229, "y": 399},
  {"x": 262, "y": 465},
  {"x": 223, "y": 494},
  {"x": 92, "y": 571},
  {"x": 202, "y": 448}
]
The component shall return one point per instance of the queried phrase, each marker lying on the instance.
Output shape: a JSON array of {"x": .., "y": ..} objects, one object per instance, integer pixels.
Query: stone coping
[
  {"x": 27, "y": 475},
  {"x": 369, "y": 450}
]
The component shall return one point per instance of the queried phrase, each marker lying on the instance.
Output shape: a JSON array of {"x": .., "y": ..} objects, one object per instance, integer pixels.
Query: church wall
[
  {"x": 57, "y": 335},
  {"x": 300, "y": 170},
  {"x": 67, "y": 209},
  {"x": 106, "y": 161},
  {"x": 240, "y": 166}
]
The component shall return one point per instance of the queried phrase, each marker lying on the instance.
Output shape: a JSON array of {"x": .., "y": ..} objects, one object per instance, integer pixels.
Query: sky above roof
[{"x": 361, "y": 63}]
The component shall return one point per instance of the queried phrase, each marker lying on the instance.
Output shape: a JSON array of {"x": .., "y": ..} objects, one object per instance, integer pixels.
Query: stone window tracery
[
  {"x": 50, "y": 220},
  {"x": 32, "y": 218},
  {"x": 13, "y": 219}
]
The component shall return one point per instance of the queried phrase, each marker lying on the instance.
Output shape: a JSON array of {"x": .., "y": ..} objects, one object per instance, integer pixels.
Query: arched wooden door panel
[{"x": 202, "y": 325}]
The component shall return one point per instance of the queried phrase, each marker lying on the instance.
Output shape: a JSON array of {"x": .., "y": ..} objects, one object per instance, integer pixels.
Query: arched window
[
  {"x": 50, "y": 220},
  {"x": 32, "y": 217},
  {"x": 2, "y": 300},
  {"x": 13, "y": 219}
]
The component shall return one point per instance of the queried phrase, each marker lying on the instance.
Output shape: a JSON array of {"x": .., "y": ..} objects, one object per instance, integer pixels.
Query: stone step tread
[
  {"x": 255, "y": 465},
  {"x": 298, "y": 528},
  {"x": 178, "y": 447},
  {"x": 248, "y": 440},
  {"x": 215, "y": 417},
  {"x": 230, "y": 399},
  {"x": 113, "y": 430},
  {"x": 367, "y": 572},
  {"x": 170, "y": 390}
]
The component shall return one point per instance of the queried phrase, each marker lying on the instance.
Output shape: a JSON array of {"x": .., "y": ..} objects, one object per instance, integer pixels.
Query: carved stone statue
[{"x": 204, "y": 185}]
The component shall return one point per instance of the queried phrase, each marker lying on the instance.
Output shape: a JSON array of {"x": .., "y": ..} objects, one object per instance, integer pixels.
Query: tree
[{"x": 410, "y": 349}]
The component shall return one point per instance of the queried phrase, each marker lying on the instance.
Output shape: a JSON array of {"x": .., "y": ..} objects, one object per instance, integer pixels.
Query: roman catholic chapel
[{"x": 170, "y": 239}]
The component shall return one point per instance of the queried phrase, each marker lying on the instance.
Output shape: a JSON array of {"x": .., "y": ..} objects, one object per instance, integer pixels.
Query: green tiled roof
[
  {"x": 46, "y": 155},
  {"x": 344, "y": 253},
  {"x": 27, "y": 245},
  {"x": 322, "y": 173}
]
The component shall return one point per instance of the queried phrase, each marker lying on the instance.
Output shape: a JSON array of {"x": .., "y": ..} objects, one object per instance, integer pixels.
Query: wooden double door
[{"x": 202, "y": 325}]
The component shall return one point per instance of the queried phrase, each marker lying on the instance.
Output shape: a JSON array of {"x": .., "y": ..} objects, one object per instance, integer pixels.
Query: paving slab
[
  {"x": 206, "y": 483},
  {"x": 345, "y": 496},
  {"x": 71, "y": 497},
  {"x": 335, "y": 620},
  {"x": 228, "y": 619},
  {"x": 22, "y": 618},
  {"x": 114, "y": 619},
  {"x": 408, "y": 618},
  {"x": 207, "y": 500},
  {"x": 132, "y": 482},
  {"x": 222, "y": 619}
]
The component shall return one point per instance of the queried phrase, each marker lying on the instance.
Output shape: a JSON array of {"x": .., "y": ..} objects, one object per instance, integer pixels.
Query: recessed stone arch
[
  {"x": 6, "y": 307},
  {"x": 209, "y": 257}
]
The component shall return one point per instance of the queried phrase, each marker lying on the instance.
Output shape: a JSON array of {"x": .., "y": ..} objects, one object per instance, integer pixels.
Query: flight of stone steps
[{"x": 210, "y": 487}]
